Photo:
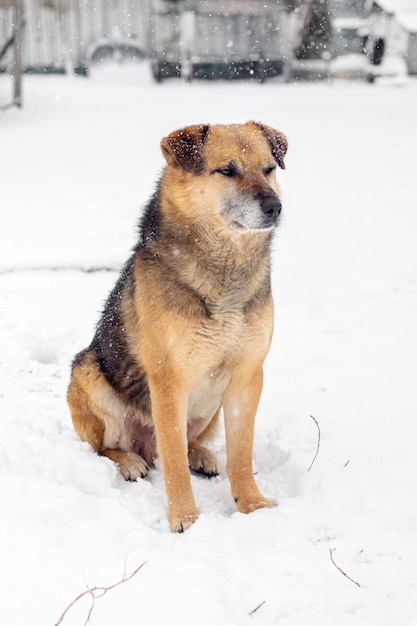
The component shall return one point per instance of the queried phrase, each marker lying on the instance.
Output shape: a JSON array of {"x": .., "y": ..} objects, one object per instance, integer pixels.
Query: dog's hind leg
[
  {"x": 93, "y": 423},
  {"x": 91, "y": 429},
  {"x": 88, "y": 426},
  {"x": 131, "y": 465},
  {"x": 201, "y": 460}
]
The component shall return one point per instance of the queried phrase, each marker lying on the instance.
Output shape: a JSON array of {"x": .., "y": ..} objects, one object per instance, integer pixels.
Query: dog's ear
[
  {"x": 277, "y": 141},
  {"x": 183, "y": 147}
]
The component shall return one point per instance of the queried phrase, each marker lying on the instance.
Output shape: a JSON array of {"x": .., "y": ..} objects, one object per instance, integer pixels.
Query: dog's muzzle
[{"x": 252, "y": 212}]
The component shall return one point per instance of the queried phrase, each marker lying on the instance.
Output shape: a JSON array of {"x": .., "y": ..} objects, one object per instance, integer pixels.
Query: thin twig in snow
[
  {"x": 331, "y": 550},
  {"x": 257, "y": 607},
  {"x": 318, "y": 442},
  {"x": 97, "y": 592}
]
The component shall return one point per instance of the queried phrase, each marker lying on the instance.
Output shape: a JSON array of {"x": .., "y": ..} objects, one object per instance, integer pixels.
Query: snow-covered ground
[{"x": 76, "y": 164}]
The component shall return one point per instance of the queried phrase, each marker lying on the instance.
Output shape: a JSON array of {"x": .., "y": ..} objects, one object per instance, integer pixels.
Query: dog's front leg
[
  {"x": 169, "y": 412},
  {"x": 240, "y": 404}
]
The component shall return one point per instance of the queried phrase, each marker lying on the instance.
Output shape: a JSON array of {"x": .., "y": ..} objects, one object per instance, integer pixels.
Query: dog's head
[{"x": 227, "y": 172}]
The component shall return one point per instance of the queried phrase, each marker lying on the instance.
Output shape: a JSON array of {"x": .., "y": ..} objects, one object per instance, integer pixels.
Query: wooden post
[
  {"x": 18, "y": 53},
  {"x": 15, "y": 42}
]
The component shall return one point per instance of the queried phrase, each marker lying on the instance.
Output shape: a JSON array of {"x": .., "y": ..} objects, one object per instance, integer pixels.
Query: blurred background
[{"x": 287, "y": 40}]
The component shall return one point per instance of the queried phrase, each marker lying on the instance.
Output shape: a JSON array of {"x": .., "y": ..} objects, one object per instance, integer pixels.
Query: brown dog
[{"x": 186, "y": 329}]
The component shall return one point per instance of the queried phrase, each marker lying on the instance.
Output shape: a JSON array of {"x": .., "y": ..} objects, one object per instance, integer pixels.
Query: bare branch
[
  {"x": 331, "y": 550},
  {"x": 257, "y": 607},
  {"x": 318, "y": 442},
  {"x": 97, "y": 592}
]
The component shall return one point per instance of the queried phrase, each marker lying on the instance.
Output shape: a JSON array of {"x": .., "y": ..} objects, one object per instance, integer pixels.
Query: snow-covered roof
[
  {"x": 405, "y": 12},
  {"x": 408, "y": 20},
  {"x": 395, "y": 6}
]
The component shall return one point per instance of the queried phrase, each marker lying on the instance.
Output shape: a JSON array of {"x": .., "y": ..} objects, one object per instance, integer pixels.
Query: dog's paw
[
  {"x": 249, "y": 505},
  {"x": 202, "y": 461},
  {"x": 132, "y": 466},
  {"x": 180, "y": 523}
]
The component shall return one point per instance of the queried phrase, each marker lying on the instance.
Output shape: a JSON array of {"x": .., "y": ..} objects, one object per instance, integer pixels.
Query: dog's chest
[
  {"x": 207, "y": 394},
  {"x": 224, "y": 332},
  {"x": 216, "y": 349}
]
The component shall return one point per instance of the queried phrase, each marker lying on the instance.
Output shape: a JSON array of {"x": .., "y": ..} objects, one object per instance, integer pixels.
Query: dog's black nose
[{"x": 271, "y": 207}]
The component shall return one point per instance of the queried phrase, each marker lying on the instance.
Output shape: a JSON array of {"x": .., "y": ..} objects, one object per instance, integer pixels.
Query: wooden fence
[{"x": 63, "y": 35}]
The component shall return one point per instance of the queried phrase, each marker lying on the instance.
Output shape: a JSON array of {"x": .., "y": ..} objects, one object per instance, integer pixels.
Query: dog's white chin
[{"x": 243, "y": 228}]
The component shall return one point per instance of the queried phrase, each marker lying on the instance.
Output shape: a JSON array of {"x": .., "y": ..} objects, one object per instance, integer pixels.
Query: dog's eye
[
  {"x": 230, "y": 171},
  {"x": 268, "y": 170}
]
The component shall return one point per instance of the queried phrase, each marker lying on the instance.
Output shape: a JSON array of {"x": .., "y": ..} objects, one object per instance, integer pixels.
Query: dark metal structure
[{"x": 213, "y": 39}]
